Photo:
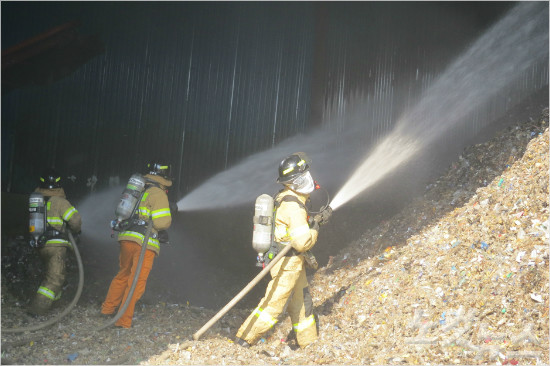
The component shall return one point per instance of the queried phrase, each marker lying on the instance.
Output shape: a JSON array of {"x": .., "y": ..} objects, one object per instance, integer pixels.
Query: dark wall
[{"x": 209, "y": 83}]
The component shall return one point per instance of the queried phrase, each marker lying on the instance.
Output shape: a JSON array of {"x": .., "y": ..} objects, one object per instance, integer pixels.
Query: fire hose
[
  {"x": 134, "y": 282},
  {"x": 241, "y": 294},
  {"x": 71, "y": 305}
]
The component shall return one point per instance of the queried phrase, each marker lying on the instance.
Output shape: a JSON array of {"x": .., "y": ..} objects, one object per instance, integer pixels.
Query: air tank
[
  {"x": 37, "y": 217},
  {"x": 130, "y": 197},
  {"x": 263, "y": 220}
]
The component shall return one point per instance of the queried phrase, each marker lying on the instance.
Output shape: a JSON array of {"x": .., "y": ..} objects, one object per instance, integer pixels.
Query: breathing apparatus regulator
[
  {"x": 129, "y": 201},
  {"x": 37, "y": 218}
]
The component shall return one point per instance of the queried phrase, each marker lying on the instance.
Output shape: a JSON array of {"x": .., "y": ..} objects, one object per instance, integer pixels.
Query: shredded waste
[{"x": 460, "y": 276}]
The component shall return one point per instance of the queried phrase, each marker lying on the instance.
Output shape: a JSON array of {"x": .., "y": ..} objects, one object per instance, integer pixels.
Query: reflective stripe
[
  {"x": 301, "y": 162},
  {"x": 152, "y": 241},
  {"x": 304, "y": 324},
  {"x": 59, "y": 241},
  {"x": 69, "y": 213},
  {"x": 46, "y": 292},
  {"x": 55, "y": 221},
  {"x": 280, "y": 231},
  {"x": 144, "y": 211},
  {"x": 264, "y": 316},
  {"x": 164, "y": 212},
  {"x": 288, "y": 170},
  {"x": 299, "y": 231},
  {"x": 144, "y": 196}
]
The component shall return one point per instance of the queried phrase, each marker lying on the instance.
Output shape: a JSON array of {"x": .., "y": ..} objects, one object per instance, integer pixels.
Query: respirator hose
[{"x": 311, "y": 212}]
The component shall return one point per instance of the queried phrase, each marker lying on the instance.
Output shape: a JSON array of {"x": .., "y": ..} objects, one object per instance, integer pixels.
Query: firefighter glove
[
  {"x": 314, "y": 223},
  {"x": 323, "y": 217},
  {"x": 173, "y": 208},
  {"x": 163, "y": 237},
  {"x": 310, "y": 260}
]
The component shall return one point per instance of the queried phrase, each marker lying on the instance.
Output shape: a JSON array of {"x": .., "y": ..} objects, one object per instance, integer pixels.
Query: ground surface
[{"x": 460, "y": 276}]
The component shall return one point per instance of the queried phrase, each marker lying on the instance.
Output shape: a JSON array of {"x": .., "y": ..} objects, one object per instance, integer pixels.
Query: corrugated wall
[
  {"x": 204, "y": 84},
  {"x": 207, "y": 84}
]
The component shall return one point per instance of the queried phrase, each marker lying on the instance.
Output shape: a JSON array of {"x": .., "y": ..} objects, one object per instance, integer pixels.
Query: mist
[
  {"x": 370, "y": 152},
  {"x": 489, "y": 67}
]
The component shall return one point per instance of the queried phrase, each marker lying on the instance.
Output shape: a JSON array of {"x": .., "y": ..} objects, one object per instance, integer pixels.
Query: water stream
[{"x": 488, "y": 68}]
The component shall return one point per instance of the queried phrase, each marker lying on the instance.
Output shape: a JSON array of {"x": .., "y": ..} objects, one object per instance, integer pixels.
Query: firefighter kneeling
[{"x": 288, "y": 276}]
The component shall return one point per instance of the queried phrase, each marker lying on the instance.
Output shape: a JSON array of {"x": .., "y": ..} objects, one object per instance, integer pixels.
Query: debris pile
[{"x": 460, "y": 276}]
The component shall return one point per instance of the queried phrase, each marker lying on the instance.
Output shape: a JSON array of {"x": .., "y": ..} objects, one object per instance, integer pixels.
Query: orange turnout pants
[{"x": 121, "y": 284}]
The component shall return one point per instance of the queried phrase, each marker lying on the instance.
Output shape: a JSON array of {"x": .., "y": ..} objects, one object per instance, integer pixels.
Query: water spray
[
  {"x": 489, "y": 66},
  {"x": 392, "y": 152},
  {"x": 488, "y": 70}
]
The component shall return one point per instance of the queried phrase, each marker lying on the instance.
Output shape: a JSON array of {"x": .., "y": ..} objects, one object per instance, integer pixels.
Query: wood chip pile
[{"x": 460, "y": 276}]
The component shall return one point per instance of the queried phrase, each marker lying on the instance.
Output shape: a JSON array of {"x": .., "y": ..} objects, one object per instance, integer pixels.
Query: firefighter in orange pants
[
  {"x": 154, "y": 206},
  {"x": 288, "y": 286}
]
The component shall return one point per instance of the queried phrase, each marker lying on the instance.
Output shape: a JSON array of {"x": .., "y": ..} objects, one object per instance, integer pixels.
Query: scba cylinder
[
  {"x": 37, "y": 216},
  {"x": 263, "y": 220},
  {"x": 130, "y": 197}
]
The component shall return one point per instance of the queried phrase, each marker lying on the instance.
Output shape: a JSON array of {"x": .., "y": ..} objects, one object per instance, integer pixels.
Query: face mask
[{"x": 303, "y": 184}]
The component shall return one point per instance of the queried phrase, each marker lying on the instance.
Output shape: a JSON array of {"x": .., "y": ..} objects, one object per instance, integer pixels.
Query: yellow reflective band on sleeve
[
  {"x": 264, "y": 316},
  {"x": 144, "y": 211},
  {"x": 144, "y": 196},
  {"x": 304, "y": 324},
  {"x": 69, "y": 213},
  {"x": 152, "y": 241},
  {"x": 55, "y": 221},
  {"x": 304, "y": 229},
  {"x": 46, "y": 292},
  {"x": 161, "y": 213}
]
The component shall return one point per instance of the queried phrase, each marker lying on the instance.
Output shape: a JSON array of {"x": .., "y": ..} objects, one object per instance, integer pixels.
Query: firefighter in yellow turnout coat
[
  {"x": 288, "y": 286},
  {"x": 61, "y": 216}
]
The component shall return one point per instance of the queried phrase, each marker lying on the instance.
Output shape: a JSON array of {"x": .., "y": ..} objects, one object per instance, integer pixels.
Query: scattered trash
[
  {"x": 537, "y": 298},
  {"x": 410, "y": 291}
]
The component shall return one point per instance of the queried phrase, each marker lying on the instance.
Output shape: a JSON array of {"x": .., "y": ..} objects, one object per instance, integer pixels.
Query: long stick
[{"x": 241, "y": 294}]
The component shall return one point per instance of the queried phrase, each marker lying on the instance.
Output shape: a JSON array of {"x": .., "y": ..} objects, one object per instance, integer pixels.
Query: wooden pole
[{"x": 241, "y": 294}]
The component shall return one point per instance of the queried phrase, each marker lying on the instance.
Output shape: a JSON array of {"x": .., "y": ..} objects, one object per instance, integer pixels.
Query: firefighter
[
  {"x": 288, "y": 286},
  {"x": 154, "y": 206},
  {"x": 53, "y": 244}
]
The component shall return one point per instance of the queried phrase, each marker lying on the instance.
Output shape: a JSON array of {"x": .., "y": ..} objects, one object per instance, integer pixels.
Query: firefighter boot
[{"x": 40, "y": 305}]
